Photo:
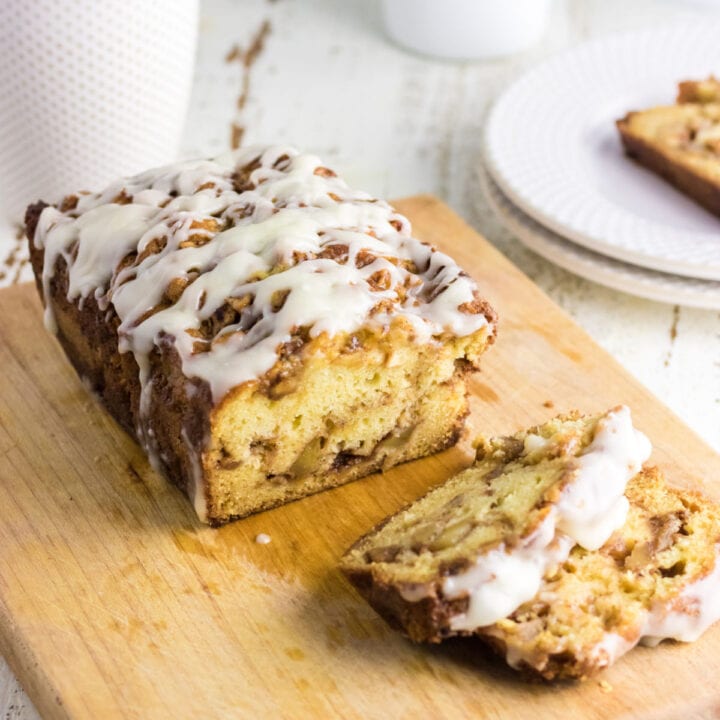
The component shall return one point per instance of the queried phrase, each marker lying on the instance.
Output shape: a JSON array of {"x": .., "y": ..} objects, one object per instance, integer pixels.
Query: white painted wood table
[{"x": 324, "y": 78}]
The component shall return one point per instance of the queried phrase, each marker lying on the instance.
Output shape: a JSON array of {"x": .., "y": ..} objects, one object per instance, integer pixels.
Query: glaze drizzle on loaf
[
  {"x": 238, "y": 263},
  {"x": 273, "y": 229}
]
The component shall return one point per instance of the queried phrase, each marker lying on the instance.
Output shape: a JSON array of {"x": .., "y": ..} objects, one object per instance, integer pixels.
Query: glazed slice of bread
[
  {"x": 658, "y": 577},
  {"x": 475, "y": 548},
  {"x": 682, "y": 144},
  {"x": 263, "y": 329},
  {"x": 699, "y": 91}
]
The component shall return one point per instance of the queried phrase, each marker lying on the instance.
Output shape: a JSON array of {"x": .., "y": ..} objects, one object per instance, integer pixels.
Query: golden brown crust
[{"x": 427, "y": 620}]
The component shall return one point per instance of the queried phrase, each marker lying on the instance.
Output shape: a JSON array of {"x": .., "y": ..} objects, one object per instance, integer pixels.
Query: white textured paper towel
[{"x": 89, "y": 91}]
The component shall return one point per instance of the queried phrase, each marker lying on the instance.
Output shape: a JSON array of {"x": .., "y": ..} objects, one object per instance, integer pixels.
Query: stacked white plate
[{"x": 556, "y": 174}]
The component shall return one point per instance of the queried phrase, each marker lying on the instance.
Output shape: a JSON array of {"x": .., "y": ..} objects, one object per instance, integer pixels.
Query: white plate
[
  {"x": 615, "y": 274},
  {"x": 552, "y": 146}
]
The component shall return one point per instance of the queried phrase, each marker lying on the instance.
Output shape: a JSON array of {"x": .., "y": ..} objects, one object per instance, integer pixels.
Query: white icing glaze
[
  {"x": 290, "y": 214},
  {"x": 502, "y": 580},
  {"x": 590, "y": 508},
  {"x": 263, "y": 539},
  {"x": 534, "y": 443},
  {"x": 197, "y": 491},
  {"x": 608, "y": 650},
  {"x": 293, "y": 212}
]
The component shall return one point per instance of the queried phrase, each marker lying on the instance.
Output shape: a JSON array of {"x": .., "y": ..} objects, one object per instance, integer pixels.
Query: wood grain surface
[{"x": 116, "y": 603}]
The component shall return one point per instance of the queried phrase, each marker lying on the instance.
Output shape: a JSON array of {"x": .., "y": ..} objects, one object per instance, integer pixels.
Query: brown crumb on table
[
  {"x": 233, "y": 54},
  {"x": 605, "y": 686},
  {"x": 257, "y": 44},
  {"x": 674, "y": 325},
  {"x": 549, "y": 404},
  {"x": 12, "y": 266},
  {"x": 673, "y": 334},
  {"x": 246, "y": 58},
  {"x": 236, "y": 134}
]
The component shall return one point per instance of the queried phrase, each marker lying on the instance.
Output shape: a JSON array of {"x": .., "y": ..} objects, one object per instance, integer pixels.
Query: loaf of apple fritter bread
[
  {"x": 264, "y": 330},
  {"x": 656, "y": 578},
  {"x": 472, "y": 550},
  {"x": 681, "y": 142}
]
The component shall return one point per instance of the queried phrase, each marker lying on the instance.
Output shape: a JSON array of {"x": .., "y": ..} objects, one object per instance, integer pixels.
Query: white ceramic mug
[
  {"x": 466, "y": 29},
  {"x": 89, "y": 91}
]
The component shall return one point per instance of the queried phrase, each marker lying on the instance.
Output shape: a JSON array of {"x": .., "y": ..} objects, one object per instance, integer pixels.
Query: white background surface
[{"x": 397, "y": 124}]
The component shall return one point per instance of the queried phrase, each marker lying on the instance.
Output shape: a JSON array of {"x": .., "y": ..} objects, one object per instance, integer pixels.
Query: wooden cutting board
[{"x": 116, "y": 603}]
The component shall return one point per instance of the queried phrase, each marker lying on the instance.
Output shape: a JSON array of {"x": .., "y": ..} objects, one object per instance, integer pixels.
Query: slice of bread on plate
[{"x": 681, "y": 143}]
